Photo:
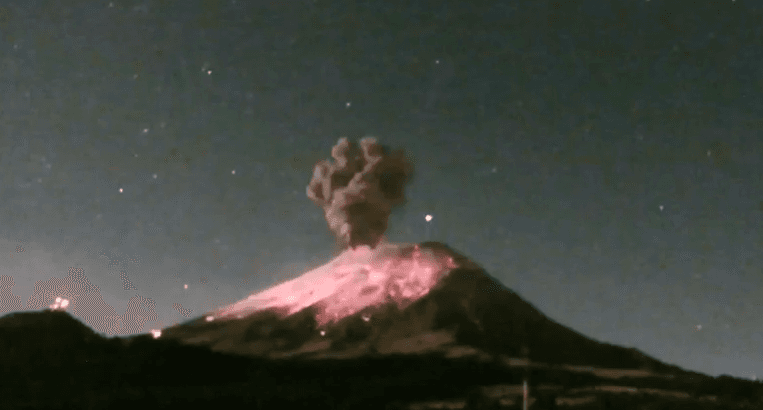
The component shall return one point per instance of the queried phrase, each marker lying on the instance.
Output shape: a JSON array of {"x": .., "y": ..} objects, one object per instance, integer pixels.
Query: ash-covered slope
[{"x": 455, "y": 308}]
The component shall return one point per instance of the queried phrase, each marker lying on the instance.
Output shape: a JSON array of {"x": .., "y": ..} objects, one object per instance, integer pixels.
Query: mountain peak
[
  {"x": 459, "y": 332},
  {"x": 400, "y": 299}
]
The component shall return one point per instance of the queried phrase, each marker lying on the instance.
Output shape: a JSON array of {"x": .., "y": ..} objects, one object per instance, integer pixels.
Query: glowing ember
[{"x": 351, "y": 282}]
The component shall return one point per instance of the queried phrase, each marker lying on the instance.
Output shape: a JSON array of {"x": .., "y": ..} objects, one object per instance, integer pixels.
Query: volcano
[
  {"x": 399, "y": 299},
  {"x": 400, "y": 326}
]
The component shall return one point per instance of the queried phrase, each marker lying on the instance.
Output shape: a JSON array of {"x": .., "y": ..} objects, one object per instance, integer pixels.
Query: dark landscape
[
  {"x": 602, "y": 152},
  {"x": 470, "y": 343}
]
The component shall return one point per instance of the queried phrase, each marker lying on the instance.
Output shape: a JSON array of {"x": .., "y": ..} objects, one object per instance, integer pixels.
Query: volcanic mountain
[
  {"x": 399, "y": 299},
  {"x": 402, "y": 326}
]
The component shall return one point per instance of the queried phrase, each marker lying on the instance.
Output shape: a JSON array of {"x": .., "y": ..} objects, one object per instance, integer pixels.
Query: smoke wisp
[{"x": 359, "y": 189}]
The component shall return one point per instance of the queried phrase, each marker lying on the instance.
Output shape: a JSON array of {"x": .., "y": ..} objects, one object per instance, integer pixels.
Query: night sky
[{"x": 602, "y": 159}]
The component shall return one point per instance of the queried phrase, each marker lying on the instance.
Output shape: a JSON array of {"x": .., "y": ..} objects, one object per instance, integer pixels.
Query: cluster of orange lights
[{"x": 60, "y": 304}]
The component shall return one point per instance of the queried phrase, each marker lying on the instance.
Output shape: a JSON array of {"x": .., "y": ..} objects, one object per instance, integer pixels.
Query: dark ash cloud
[{"x": 359, "y": 189}]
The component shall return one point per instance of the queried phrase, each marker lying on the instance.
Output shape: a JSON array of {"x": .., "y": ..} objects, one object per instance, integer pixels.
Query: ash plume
[{"x": 359, "y": 189}]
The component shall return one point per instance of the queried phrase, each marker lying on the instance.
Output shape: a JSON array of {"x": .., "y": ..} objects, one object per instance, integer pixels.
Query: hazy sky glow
[{"x": 603, "y": 163}]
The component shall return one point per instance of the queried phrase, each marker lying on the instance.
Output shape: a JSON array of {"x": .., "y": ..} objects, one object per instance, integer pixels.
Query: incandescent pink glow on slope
[{"x": 350, "y": 282}]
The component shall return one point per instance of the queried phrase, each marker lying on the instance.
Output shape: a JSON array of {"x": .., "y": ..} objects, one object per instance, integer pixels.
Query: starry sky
[{"x": 602, "y": 159}]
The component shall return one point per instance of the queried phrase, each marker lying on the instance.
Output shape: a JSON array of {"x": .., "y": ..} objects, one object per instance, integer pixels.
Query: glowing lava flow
[{"x": 352, "y": 281}]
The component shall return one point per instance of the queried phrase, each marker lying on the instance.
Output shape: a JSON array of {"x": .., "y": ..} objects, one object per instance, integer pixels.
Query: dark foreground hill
[{"x": 468, "y": 343}]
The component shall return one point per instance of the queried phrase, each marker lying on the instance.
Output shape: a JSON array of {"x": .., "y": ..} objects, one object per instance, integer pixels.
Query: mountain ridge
[
  {"x": 468, "y": 308},
  {"x": 468, "y": 343}
]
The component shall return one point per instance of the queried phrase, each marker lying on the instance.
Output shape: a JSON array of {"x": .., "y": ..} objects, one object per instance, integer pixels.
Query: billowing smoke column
[{"x": 358, "y": 191}]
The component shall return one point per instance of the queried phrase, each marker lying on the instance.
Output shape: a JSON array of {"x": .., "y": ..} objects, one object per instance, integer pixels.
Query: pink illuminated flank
[{"x": 350, "y": 282}]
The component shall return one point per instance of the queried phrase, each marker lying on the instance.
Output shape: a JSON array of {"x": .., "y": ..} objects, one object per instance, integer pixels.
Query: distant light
[
  {"x": 347, "y": 104},
  {"x": 437, "y": 61},
  {"x": 156, "y": 333},
  {"x": 428, "y": 217},
  {"x": 699, "y": 327},
  {"x": 60, "y": 303},
  {"x": 708, "y": 153},
  {"x": 366, "y": 318},
  {"x": 209, "y": 72},
  {"x": 661, "y": 207},
  {"x": 121, "y": 190},
  {"x": 451, "y": 263},
  {"x": 145, "y": 130},
  {"x": 323, "y": 333},
  {"x": 185, "y": 286},
  {"x": 210, "y": 318},
  {"x": 154, "y": 176},
  {"x": 233, "y": 172},
  {"x": 136, "y": 155}
]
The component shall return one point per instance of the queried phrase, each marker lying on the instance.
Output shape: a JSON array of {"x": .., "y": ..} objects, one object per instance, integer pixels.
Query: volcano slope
[
  {"x": 456, "y": 338},
  {"x": 465, "y": 312}
]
